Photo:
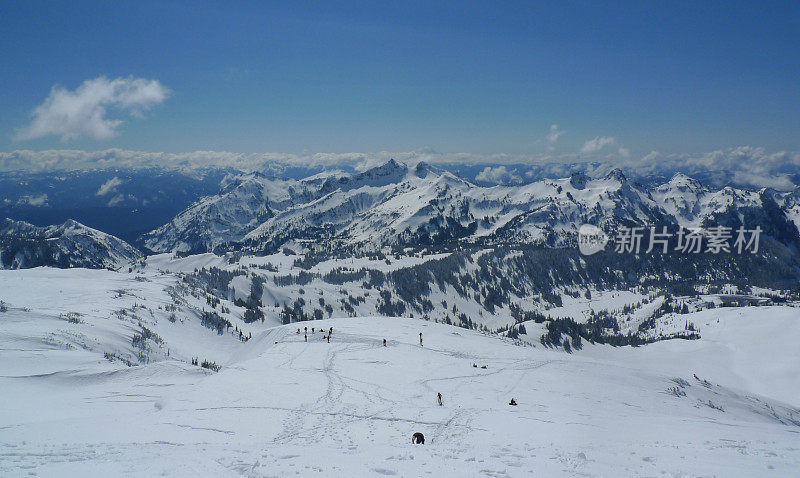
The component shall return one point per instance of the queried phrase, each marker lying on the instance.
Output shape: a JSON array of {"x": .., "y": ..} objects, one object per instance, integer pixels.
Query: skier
[
  {"x": 298, "y": 330},
  {"x": 329, "y": 338},
  {"x": 306, "y": 337},
  {"x": 330, "y": 331},
  {"x": 418, "y": 439},
  {"x": 439, "y": 395},
  {"x": 384, "y": 342},
  {"x": 420, "y": 339}
]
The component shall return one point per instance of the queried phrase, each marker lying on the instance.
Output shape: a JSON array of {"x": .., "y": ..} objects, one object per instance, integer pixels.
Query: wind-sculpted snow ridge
[
  {"x": 70, "y": 244},
  {"x": 99, "y": 381},
  {"x": 397, "y": 205}
]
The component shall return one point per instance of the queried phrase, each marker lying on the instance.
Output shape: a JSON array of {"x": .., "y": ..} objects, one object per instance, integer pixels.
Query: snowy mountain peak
[
  {"x": 70, "y": 244},
  {"x": 422, "y": 169},
  {"x": 682, "y": 180},
  {"x": 681, "y": 184},
  {"x": 233, "y": 181},
  {"x": 389, "y": 169},
  {"x": 72, "y": 224},
  {"x": 616, "y": 174},
  {"x": 388, "y": 173}
]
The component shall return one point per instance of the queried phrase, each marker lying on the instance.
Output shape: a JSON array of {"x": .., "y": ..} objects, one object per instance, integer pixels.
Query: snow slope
[
  {"x": 282, "y": 406},
  {"x": 753, "y": 349}
]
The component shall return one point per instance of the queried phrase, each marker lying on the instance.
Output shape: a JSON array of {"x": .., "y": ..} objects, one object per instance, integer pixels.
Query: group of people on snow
[{"x": 314, "y": 330}]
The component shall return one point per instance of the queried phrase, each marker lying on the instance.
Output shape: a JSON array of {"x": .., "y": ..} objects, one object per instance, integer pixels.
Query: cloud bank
[
  {"x": 744, "y": 165},
  {"x": 84, "y": 112}
]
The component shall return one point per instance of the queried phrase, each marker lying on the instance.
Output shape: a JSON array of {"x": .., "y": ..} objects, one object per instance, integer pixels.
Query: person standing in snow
[
  {"x": 384, "y": 342},
  {"x": 306, "y": 337},
  {"x": 440, "y": 398},
  {"x": 420, "y": 339}
]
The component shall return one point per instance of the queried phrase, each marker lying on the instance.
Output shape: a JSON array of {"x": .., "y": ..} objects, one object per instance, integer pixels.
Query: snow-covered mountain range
[
  {"x": 399, "y": 205},
  {"x": 70, "y": 244},
  {"x": 395, "y": 205}
]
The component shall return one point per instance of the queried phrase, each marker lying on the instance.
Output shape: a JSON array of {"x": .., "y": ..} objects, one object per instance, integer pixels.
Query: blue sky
[{"x": 479, "y": 77}]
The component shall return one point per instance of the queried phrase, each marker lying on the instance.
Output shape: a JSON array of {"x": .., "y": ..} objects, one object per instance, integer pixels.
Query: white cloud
[
  {"x": 553, "y": 135},
  {"x": 83, "y": 112},
  {"x": 780, "y": 182},
  {"x": 651, "y": 157},
  {"x": 109, "y": 186},
  {"x": 116, "y": 200},
  {"x": 36, "y": 201},
  {"x": 624, "y": 152},
  {"x": 498, "y": 175},
  {"x": 596, "y": 144}
]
